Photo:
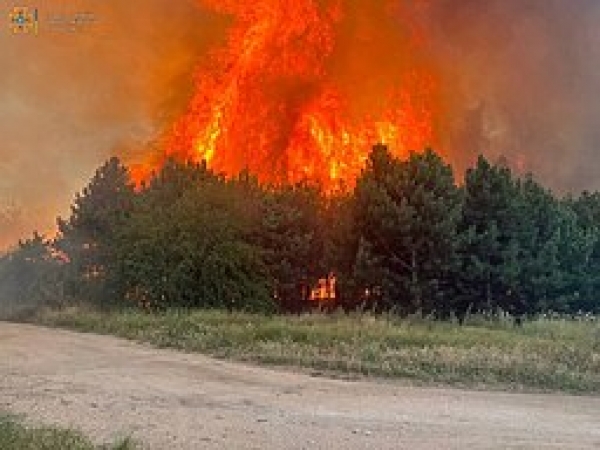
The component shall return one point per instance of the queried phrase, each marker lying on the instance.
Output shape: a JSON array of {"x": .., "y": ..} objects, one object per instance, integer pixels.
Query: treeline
[{"x": 407, "y": 238}]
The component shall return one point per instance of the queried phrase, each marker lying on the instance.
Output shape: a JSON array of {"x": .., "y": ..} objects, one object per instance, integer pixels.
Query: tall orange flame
[{"x": 271, "y": 100}]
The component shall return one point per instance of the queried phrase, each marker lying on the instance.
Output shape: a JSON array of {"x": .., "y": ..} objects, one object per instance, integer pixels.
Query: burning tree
[{"x": 284, "y": 99}]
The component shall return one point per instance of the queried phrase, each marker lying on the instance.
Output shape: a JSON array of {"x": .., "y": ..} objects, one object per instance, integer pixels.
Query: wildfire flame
[{"x": 272, "y": 100}]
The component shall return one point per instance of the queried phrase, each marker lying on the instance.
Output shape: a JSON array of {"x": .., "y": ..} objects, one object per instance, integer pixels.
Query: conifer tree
[
  {"x": 88, "y": 235},
  {"x": 407, "y": 213}
]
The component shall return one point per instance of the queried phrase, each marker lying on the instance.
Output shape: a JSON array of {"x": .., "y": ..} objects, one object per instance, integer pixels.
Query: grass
[
  {"x": 14, "y": 435},
  {"x": 542, "y": 355}
]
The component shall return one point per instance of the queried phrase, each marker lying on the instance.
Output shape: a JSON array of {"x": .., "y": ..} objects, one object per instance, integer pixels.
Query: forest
[{"x": 410, "y": 237}]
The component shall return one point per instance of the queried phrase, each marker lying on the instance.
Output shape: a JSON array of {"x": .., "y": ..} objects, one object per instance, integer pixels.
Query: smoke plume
[
  {"x": 521, "y": 78},
  {"x": 71, "y": 98}
]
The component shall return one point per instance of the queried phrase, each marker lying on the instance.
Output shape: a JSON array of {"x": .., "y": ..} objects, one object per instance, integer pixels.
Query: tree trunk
[{"x": 415, "y": 280}]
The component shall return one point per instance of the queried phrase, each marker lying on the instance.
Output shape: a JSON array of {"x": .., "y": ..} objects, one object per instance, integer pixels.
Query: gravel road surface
[{"x": 108, "y": 387}]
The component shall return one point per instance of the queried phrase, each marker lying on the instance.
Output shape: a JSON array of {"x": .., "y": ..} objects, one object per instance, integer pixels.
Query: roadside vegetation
[
  {"x": 14, "y": 435},
  {"x": 408, "y": 240},
  {"x": 544, "y": 354}
]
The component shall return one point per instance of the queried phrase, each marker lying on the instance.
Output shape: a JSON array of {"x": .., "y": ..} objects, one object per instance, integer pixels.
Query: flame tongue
[{"x": 269, "y": 103}]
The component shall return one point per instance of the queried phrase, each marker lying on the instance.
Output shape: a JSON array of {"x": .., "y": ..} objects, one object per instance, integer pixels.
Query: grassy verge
[
  {"x": 16, "y": 436},
  {"x": 544, "y": 355}
]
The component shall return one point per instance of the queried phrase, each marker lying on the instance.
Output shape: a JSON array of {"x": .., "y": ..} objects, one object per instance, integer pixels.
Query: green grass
[
  {"x": 545, "y": 355},
  {"x": 14, "y": 435}
]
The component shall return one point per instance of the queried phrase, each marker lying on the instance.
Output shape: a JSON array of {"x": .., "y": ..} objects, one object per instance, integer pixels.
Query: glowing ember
[{"x": 272, "y": 100}]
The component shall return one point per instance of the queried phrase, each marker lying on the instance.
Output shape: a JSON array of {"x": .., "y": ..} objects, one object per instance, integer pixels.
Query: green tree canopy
[
  {"x": 87, "y": 236},
  {"x": 407, "y": 213},
  {"x": 191, "y": 250}
]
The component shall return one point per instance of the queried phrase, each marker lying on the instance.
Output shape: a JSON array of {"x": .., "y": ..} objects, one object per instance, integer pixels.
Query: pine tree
[
  {"x": 407, "y": 214},
  {"x": 87, "y": 236},
  {"x": 489, "y": 249},
  {"x": 30, "y": 275},
  {"x": 586, "y": 209},
  {"x": 524, "y": 251},
  {"x": 341, "y": 249},
  {"x": 292, "y": 242}
]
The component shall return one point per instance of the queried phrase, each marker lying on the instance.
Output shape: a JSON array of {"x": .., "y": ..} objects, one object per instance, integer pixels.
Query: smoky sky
[
  {"x": 71, "y": 98},
  {"x": 520, "y": 79}
]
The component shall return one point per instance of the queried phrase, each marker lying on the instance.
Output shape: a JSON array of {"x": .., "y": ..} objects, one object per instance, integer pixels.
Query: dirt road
[{"x": 109, "y": 387}]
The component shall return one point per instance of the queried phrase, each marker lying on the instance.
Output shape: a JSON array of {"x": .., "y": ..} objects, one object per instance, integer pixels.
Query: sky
[{"x": 71, "y": 98}]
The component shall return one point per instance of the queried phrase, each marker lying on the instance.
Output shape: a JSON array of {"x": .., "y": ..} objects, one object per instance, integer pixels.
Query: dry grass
[{"x": 557, "y": 355}]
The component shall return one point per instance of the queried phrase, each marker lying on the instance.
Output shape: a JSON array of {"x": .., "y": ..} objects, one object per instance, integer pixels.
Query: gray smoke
[
  {"x": 69, "y": 99},
  {"x": 523, "y": 79}
]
